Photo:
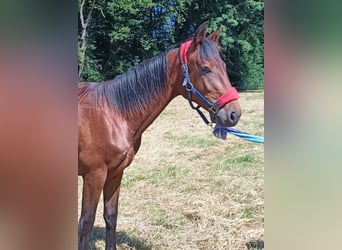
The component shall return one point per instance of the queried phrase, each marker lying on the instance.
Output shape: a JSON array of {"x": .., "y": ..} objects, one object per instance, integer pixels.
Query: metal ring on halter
[{"x": 189, "y": 86}]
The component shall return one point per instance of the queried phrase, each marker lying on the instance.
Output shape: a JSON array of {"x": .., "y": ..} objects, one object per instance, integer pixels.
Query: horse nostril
[
  {"x": 227, "y": 118},
  {"x": 233, "y": 116}
]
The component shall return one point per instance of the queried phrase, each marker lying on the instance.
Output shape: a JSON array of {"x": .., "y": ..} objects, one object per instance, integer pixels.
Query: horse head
[{"x": 205, "y": 73}]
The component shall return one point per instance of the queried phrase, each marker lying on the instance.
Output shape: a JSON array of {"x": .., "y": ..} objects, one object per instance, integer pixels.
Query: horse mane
[{"x": 133, "y": 91}]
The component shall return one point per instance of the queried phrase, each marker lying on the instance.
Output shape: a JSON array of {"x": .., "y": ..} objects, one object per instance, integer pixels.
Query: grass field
[{"x": 187, "y": 189}]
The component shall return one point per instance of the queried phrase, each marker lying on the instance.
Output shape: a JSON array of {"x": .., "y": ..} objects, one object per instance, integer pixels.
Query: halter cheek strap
[{"x": 229, "y": 96}]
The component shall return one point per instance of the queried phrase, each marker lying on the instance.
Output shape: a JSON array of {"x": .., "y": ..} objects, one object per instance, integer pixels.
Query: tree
[
  {"x": 84, "y": 24},
  {"x": 122, "y": 33}
]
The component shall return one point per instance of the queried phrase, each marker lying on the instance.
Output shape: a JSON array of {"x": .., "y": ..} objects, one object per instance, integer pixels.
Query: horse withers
[{"x": 112, "y": 116}]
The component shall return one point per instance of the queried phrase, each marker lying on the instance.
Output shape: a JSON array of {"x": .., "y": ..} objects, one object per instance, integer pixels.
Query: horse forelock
[{"x": 209, "y": 50}]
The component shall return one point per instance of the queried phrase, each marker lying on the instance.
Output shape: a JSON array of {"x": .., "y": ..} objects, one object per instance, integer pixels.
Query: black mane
[{"x": 133, "y": 91}]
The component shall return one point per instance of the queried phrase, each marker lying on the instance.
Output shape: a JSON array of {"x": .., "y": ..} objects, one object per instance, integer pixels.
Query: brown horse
[{"x": 112, "y": 116}]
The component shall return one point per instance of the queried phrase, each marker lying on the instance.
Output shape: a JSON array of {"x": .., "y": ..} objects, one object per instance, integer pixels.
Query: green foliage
[
  {"x": 122, "y": 33},
  {"x": 92, "y": 67},
  {"x": 242, "y": 41}
]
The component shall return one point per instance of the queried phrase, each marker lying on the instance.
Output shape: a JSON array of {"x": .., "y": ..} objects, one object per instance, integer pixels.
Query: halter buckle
[
  {"x": 214, "y": 109},
  {"x": 185, "y": 74}
]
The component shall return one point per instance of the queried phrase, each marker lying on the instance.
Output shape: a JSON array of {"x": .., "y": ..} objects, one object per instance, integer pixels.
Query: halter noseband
[{"x": 229, "y": 96}]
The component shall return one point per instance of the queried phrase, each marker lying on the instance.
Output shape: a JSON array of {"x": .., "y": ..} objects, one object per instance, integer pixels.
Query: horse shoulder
[{"x": 103, "y": 138}]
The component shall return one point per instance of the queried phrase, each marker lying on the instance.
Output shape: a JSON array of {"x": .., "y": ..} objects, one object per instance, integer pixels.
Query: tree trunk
[{"x": 84, "y": 24}]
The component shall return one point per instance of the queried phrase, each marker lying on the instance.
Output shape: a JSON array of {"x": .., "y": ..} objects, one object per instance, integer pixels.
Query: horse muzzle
[
  {"x": 228, "y": 116},
  {"x": 228, "y": 109}
]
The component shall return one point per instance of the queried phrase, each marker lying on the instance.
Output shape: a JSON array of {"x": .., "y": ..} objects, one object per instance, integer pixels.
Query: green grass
[
  {"x": 191, "y": 140},
  {"x": 172, "y": 172},
  {"x": 254, "y": 96},
  {"x": 230, "y": 162},
  {"x": 248, "y": 213},
  {"x": 169, "y": 135},
  {"x": 194, "y": 141},
  {"x": 158, "y": 216},
  {"x": 131, "y": 180},
  {"x": 168, "y": 114},
  {"x": 154, "y": 176}
]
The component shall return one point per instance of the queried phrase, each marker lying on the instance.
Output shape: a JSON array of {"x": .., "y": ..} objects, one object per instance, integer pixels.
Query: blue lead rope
[{"x": 221, "y": 132}]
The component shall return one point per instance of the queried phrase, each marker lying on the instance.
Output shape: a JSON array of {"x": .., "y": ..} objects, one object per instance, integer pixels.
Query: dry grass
[{"x": 188, "y": 190}]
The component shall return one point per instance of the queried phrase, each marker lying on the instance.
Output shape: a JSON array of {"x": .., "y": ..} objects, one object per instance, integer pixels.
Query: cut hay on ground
[{"x": 188, "y": 190}]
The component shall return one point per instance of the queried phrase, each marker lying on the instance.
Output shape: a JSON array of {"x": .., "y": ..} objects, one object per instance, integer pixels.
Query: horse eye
[{"x": 205, "y": 69}]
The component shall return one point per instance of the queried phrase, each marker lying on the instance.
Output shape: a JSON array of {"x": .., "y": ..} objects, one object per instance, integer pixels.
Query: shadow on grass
[
  {"x": 258, "y": 244},
  {"x": 124, "y": 240}
]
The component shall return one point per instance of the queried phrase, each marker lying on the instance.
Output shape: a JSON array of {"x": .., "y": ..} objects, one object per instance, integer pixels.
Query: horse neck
[{"x": 172, "y": 90}]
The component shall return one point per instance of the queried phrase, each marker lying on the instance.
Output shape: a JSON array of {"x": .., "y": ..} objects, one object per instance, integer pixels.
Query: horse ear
[
  {"x": 215, "y": 35},
  {"x": 200, "y": 34}
]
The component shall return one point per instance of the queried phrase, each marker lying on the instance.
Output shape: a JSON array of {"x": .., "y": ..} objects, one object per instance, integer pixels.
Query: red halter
[
  {"x": 183, "y": 50},
  {"x": 229, "y": 96}
]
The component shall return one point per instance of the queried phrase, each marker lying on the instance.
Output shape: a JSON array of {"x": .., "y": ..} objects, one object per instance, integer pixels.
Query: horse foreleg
[
  {"x": 110, "y": 198},
  {"x": 93, "y": 183}
]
